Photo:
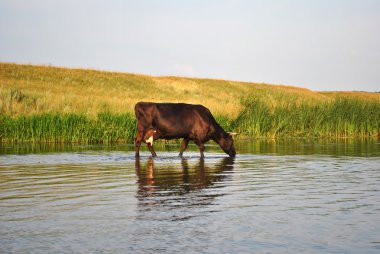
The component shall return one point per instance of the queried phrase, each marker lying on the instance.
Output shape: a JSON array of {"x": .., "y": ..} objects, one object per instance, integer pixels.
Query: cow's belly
[{"x": 169, "y": 135}]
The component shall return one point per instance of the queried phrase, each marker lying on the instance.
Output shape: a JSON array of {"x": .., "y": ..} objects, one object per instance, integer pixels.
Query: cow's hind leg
[
  {"x": 138, "y": 140},
  {"x": 151, "y": 149},
  {"x": 184, "y": 144}
]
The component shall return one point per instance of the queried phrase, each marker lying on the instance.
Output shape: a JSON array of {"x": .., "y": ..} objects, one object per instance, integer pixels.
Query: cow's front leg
[
  {"x": 201, "y": 147},
  {"x": 184, "y": 144}
]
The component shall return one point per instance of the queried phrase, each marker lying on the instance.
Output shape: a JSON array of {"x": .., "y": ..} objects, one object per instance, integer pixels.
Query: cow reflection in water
[
  {"x": 176, "y": 190},
  {"x": 178, "y": 177}
]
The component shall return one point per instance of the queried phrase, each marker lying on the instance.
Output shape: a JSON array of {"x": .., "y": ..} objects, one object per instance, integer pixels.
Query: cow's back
[{"x": 175, "y": 120}]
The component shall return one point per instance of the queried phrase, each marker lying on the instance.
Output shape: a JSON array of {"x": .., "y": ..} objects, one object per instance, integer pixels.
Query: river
[{"x": 275, "y": 197}]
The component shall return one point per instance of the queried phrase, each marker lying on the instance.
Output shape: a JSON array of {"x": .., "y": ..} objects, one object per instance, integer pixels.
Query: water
[{"x": 286, "y": 197}]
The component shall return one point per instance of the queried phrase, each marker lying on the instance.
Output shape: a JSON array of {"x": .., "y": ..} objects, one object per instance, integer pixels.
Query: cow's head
[{"x": 227, "y": 144}]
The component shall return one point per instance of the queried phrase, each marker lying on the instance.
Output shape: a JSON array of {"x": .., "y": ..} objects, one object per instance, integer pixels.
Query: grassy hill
[{"x": 42, "y": 103}]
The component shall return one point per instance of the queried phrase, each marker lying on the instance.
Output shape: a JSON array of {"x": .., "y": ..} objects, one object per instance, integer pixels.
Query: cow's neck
[{"x": 219, "y": 136}]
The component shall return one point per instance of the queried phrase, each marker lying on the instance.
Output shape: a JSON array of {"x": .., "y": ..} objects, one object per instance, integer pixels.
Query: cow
[{"x": 179, "y": 120}]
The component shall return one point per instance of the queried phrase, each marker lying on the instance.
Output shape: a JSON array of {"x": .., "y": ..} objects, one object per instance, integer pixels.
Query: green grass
[
  {"x": 342, "y": 117},
  {"x": 68, "y": 128},
  {"x": 338, "y": 118},
  {"x": 49, "y": 104}
]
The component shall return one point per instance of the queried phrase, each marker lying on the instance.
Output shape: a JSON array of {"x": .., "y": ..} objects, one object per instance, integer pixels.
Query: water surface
[{"x": 274, "y": 197}]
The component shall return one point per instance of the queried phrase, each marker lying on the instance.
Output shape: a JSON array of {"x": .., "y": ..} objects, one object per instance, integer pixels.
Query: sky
[{"x": 322, "y": 45}]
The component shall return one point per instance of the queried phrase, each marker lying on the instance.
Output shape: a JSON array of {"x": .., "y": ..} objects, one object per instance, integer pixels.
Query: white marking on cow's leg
[{"x": 149, "y": 141}]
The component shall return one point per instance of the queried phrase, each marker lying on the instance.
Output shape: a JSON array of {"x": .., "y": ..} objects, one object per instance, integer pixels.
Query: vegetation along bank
[{"x": 50, "y": 104}]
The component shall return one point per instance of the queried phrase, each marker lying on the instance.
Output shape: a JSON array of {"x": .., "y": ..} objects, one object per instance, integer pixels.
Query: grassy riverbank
[
  {"x": 69, "y": 128},
  {"x": 338, "y": 118},
  {"x": 49, "y": 104}
]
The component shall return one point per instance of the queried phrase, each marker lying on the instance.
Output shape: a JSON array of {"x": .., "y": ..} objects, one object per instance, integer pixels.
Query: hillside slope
[{"x": 28, "y": 89}]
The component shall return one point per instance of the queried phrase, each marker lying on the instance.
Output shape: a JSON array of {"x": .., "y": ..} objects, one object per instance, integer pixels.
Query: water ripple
[{"x": 111, "y": 202}]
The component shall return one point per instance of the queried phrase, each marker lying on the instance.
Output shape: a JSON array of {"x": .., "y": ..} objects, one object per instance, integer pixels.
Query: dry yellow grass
[{"x": 29, "y": 89}]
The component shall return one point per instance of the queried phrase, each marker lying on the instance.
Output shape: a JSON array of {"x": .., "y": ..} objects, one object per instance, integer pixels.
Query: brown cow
[{"x": 179, "y": 120}]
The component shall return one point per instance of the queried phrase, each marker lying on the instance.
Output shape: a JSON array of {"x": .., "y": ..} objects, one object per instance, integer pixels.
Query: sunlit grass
[
  {"x": 88, "y": 92},
  {"x": 42, "y": 103},
  {"x": 60, "y": 90}
]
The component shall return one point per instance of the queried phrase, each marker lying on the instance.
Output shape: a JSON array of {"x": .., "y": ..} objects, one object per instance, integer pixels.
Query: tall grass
[
  {"x": 70, "y": 128},
  {"x": 341, "y": 117}
]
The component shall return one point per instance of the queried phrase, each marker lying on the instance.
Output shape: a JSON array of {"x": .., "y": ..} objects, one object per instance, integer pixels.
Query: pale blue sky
[{"x": 317, "y": 44}]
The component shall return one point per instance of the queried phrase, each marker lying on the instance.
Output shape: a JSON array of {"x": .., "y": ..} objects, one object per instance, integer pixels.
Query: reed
[
  {"x": 68, "y": 128},
  {"x": 339, "y": 118}
]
